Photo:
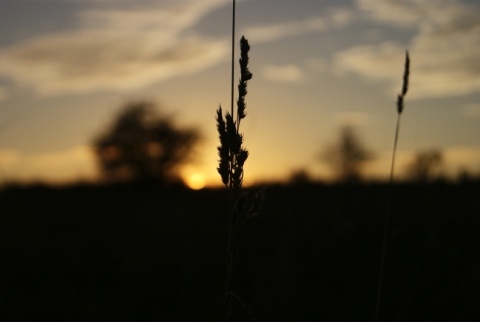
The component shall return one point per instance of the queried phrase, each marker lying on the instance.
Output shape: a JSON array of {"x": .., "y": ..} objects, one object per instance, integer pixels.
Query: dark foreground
[{"x": 152, "y": 254}]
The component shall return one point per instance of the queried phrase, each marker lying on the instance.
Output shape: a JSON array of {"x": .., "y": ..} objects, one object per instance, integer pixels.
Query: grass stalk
[
  {"x": 400, "y": 105},
  {"x": 232, "y": 84},
  {"x": 232, "y": 158}
]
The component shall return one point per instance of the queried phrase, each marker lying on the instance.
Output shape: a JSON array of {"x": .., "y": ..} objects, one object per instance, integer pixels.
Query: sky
[{"x": 66, "y": 67}]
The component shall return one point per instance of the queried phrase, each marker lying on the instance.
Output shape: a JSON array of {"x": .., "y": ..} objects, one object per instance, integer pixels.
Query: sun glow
[{"x": 196, "y": 181}]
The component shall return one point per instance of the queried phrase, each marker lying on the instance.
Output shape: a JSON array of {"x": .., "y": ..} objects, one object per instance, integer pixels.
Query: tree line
[{"x": 141, "y": 144}]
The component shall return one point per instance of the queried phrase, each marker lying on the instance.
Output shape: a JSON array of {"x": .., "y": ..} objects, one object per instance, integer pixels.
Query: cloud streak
[
  {"x": 272, "y": 32},
  {"x": 283, "y": 73},
  {"x": 333, "y": 18},
  {"x": 444, "y": 49},
  {"x": 116, "y": 50}
]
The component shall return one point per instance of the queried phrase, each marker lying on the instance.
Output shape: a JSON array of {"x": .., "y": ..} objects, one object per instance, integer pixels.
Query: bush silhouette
[
  {"x": 346, "y": 156},
  {"x": 424, "y": 165},
  {"x": 142, "y": 145}
]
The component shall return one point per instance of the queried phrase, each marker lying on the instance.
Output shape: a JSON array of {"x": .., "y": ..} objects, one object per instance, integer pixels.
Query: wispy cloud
[
  {"x": 116, "y": 50},
  {"x": 377, "y": 62},
  {"x": 444, "y": 48},
  {"x": 334, "y": 17},
  {"x": 283, "y": 73},
  {"x": 400, "y": 13},
  {"x": 272, "y": 32}
]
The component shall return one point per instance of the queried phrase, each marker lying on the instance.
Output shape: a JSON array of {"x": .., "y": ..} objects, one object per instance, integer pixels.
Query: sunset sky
[{"x": 66, "y": 66}]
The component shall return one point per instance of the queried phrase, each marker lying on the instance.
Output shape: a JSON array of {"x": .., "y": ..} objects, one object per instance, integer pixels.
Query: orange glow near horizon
[
  {"x": 78, "y": 165},
  {"x": 196, "y": 181}
]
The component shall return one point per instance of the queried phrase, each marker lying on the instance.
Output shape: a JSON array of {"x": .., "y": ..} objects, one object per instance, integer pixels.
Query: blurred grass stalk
[{"x": 400, "y": 105}]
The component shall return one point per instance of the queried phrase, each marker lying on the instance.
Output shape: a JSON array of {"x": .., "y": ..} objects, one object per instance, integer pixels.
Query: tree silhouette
[
  {"x": 299, "y": 177},
  {"x": 346, "y": 156},
  {"x": 143, "y": 145},
  {"x": 424, "y": 165}
]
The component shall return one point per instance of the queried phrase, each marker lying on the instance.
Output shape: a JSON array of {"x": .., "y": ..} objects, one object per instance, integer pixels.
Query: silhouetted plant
[
  {"x": 232, "y": 154},
  {"x": 422, "y": 167},
  {"x": 230, "y": 167},
  {"x": 299, "y": 177},
  {"x": 142, "y": 145},
  {"x": 400, "y": 106},
  {"x": 347, "y": 156}
]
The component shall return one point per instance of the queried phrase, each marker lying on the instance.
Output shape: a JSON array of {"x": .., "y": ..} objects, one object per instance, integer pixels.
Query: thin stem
[
  {"x": 232, "y": 85},
  {"x": 228, "y": 274},
  {"x": 386, "y": 225},
  {"x": 232, "y": 194},
  {"x": 397, "y": 132},
  {"x": 233, "y": 61}
]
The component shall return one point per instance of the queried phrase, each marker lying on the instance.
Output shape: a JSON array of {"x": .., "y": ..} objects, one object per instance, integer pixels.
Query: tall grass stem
[
  {"x": 232, "y": 84},
  {"x": 232, "y": 158},
  {"x": 386, "y": 224},
  {"x": 231, "y": 192}
]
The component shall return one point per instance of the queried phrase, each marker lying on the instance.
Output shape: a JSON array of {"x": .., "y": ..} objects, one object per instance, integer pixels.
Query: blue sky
[{"x": 67, "y": 65}]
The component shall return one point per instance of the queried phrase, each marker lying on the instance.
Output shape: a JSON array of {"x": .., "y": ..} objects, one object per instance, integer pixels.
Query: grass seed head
[
  {"x": 232, "y": 154},
  {"x": 406, "y": 73},
  {"x": 223, "y": 150},
  {"x": 400, "y": 104},
  {"x": 245, "y": 75}
]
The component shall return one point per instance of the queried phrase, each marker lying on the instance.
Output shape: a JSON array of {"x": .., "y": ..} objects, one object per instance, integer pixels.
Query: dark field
[{"x": 138, "y": 253}]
